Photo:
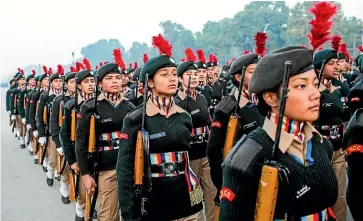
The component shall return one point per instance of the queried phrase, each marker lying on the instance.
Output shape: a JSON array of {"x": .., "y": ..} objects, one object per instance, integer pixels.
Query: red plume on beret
[
  {"x": 321, "y": 24},
  {"x": 22, "y": 71},
  {"x": 106, "y": 62},
  {"x": 335, "y": 42},
  {"x": 79, "y": 66},
  {"x": 145, "y": 58},
  {"x": 211, "y": 58},
  {"x": 101, "y": 64},
  {"x": 360, "y": 48},
  {"x": 215, "y": 59},
  {"x": 50, "y": 71},
  {"x": 130, "y": 65},
  {"x": 19, "y": 70},
  {"x": 201, "y": 56},
  {"x": 190, "y": 56},
  {"x": 260, "y": 41},
  {"x": 45, "y": 70},
  {"x": 343, "y": 49},
  {"x": 87, "y": 64},
  {"x": 117, "y": 55},
  {"x": 182, "y": 59},
  {"x": 60, "y": 69},
  {"x": 34, "y": 72},
  {"x": 246, "y": 52},
  {"x": 162, "y": 44},
  {"x": 96, "y": 67},
  {"x": 73, "y": 69},
  {"x": 136, "y": 65},
  {"x": 227, "y": 63}
]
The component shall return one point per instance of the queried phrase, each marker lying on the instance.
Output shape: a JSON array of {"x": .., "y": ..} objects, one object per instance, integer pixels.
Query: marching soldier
[
  {"x": 203, "y": 87},
  {"x": 11, "y": 84},
  {"x": 43, "y": 87},
  {"x": 302, "y": 156},
  {"x": 55, "y": 123},
  {"x": 85, "y": 90},
  {"x": 195, "y": 104},
  {"x": 331, "y": 118},
  {"x": 167, "y": 189},
  {"x": 43, "y": 116},
  {"x": 217, "y": 89},
  {"x": 248, "y": 117},
  {"x": 107, "y": 111},
  {"x": 14, "y": 108}
]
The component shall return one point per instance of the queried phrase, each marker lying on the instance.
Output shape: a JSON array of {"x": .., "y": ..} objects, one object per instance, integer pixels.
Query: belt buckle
[
  {"x": 114, "y": 142},
  {"x": 169, "y": 168}
]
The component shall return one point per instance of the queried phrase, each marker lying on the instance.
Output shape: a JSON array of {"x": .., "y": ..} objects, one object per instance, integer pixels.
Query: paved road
[{"x": 24, "y": 192}]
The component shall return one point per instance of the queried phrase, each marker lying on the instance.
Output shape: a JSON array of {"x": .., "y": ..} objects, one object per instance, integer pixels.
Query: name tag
[
  {"x": 106, "y": 120},
  {"x": 250, "y": 125},
  {"x": 158, "y": 135},
  {"x": 327, "y": 104},
  {"x": 195, "y": 111}
]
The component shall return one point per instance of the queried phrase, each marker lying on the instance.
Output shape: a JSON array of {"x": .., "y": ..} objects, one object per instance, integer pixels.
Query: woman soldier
[
  {"x": 249, "y": 119},
  {"x": 330, "y": 122},
  {"x": 196, "y": 105},
  {"x": 85, "y": 90},
  {"x": 308, "y": 185},
  {"x": 175, "y": 191},
  {"x": 111, "y": 109}
]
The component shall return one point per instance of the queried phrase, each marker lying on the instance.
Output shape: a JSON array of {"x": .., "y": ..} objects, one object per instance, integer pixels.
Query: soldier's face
[
  {"x": 31, "y": 82},
  {"x": 210, "y": 72},
  {"x": 342, "y": 65},
  {"x": 45, "y": 82},
  {"x": 21, "y": 81},
  {"x": 111, "y": 83},
  {"x": 12, "y": 83},
  {"x": 71, "y": 85},
  {"x": 57, "y": 83},
  {"x": 249, "y": 71},
  {"x": 303, "y": 100},
  {"x": 202, "y": 75},
  {"x": 87, "y": 85},
  {"x": 124, "y": 80},
  {"x": 216, "y": 70},
  {"x": 164, "y": 82},
  {"x": 331, "y": 70},
  {"x": 193, "y": 75}
]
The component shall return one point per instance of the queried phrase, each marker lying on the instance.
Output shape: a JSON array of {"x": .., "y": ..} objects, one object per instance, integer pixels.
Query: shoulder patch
[
  {"x": 124, "y": 136},
  {"x": 227, "y": 194},
  {"x": 216, "y": 124}
]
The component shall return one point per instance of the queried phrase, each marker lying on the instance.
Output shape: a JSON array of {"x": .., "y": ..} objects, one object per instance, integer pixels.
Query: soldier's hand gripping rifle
[
  {"x": 269, "y": 181},
  {"x": 93, "y": 150},
  {"x": 142, "y": 159},
  {"x": 60, "y": 158},
  {"x": 73, "y": 178},
  {"x": 321, "y": 73}
]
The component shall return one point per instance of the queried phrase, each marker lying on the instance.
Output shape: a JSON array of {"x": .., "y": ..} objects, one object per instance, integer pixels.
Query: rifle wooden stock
[
  {"x": 231, "y": 134},
  {"x": 60, "y": 116},
  {"x": 35, "y": 144},
  {"x": 45, "y": 115},
  {"x": 24, "y": 103},
  {"x": 87, "y": 209},
  {"x": 40, "y": 155},
  {"x": 73, "y": 126},
  {"x": 36, "y": 109},
  {"x": 92, "y": 135},
  {"x": 14, "y": 103},
  {"x": 59, "y": 162},
  {"x": 72, "y": 187},
  {"x": 267, "y": 194},
  {"x": 216, "y": 212},
  {"x": 139, "y": 160}
]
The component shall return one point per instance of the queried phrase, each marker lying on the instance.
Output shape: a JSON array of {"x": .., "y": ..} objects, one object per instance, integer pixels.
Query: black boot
[
  {"x": 58, "y": 178},
  {"x": 77, "y": 218},
  {"x": 31, "y": 153},
  {"x": 45, "y": 169},
  {"x": 22, "y": 146},
  {"x": 35, "y": 161},
  {"x": 65, "y": 200},
  {"x": 94, "y": 214},
  {"x": 50, "y": 181}
]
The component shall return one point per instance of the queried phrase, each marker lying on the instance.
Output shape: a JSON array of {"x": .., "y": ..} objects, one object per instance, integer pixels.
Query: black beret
[
  {"x": 55, "y": 76},
  {"x": 357, "y": 59},
  {"x": 83, "y": 74},
  {"x": 136, "y": 74},
  {"x": 43, "y": 76},
  {"x": 242, "y": 61},
  {"x": 129, "y": 70},
  {"x": 201, "y": 65},
  {"x": 19, "y": 77},
  {"x": 16, "y": 75},
  {"x": 109, "y": 68},
  {"x": 30, "y": 76},
  {"x": 11, "y": 81},
  {"x": 69, "y": 76},
  {"x": 360, "y": 64},
  {"x": 270, "y": 69},
  {"x": 341, "y": 56},
  {"x": 326, "y": 55},
  {"x": 37, "y": 78},
  {"x": 186, "y": 66},
  {"x": 154, "y": 64}
]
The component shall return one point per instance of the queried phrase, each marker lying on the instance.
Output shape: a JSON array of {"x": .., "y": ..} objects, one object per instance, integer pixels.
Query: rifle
[
  {"x": 46, "y": 121},
  {"x": 321, "y": 72},
  {"x": 269, "y": 181},
  {"x": 73, "y": 181},
  {"x": 142, "y": 158},
  {"x": 188, "y": 89},
  {"x": 60, "y": 158},
  {"x": 93, "y": 150}
]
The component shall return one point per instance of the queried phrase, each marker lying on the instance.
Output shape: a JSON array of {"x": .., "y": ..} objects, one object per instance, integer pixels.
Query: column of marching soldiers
[{"x": 155, "y": 142}]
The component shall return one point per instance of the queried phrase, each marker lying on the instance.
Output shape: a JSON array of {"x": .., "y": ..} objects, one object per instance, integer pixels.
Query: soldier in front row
[
  {"x": 308, "y": 185},
  {"x": 108, "y": 110}
]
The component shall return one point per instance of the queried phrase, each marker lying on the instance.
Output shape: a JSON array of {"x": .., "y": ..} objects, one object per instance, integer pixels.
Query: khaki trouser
[
  {"x": 195, "y": 217},
  {"x": 81, "y": 198},
  {"x": 20, "y": 126},
  {"x": 202, "y": 170},
  {"x": 339, "y": 167},
  {"x": 65, "y": 174},
  {"x": 52, "y": 153},
  {"x": 108, "y": 206}
]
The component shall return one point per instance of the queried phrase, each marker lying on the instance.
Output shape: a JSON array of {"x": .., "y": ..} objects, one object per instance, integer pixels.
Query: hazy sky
[{"x": 47, "y": 31}]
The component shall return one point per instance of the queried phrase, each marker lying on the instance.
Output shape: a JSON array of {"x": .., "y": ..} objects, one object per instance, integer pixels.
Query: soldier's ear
[
  {"x": 271, "y": 99},
  {"x": 150, "y": 83}
]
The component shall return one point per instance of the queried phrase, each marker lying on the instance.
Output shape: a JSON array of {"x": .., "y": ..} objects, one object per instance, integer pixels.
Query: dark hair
[{"x": 262, "y": 106}]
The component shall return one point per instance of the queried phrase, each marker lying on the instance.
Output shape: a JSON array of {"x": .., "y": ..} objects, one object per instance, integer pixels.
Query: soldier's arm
[
  {"x": 65, "y": 136},
  {"x": 53, "y": 122},
  {"x": 215, "y": 146},
  {"x": 82, "y": 136},
  {"x": 11, "y": 102},
  {"x": 7, "y": 100},
  {"x": 21, "y": 109},
  {"x": 40, "y": 112},
  {"x": 27, "y": 109},
  {"x": 130, "y": 206},
  {"x": 32, "y": 110}
]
